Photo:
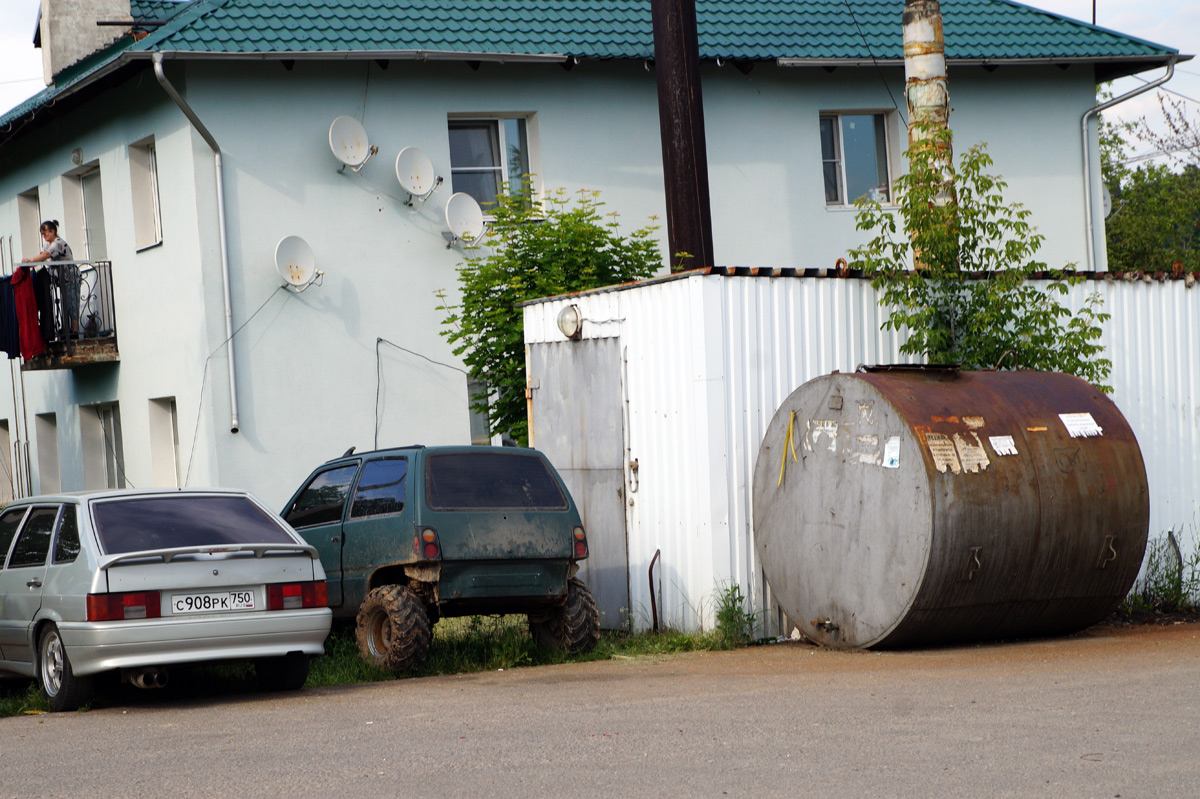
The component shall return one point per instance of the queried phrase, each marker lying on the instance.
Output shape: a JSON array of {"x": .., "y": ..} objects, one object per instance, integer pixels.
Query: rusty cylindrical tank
[{"x": 907, "y": 506}]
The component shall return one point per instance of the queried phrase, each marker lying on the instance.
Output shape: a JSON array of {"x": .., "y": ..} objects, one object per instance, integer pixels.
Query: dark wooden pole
[{"x": 681, "y": 123}]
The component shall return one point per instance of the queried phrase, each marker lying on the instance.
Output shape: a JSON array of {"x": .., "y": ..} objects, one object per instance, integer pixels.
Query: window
[
  {"x": 9, "y": 522},
  {"x": 380, "y": 488},
  {"x": 180, "y": 520},
  {"x": 7, "y": 480},
  {"x": 83, "y": 213},
  {"x": 66, "y": 543},
  {"x": 103, "y": 452},
  {"x": 29, "y": 217},
  {"x": 143, "y": 182},
  {"x": 46, "y": 430},
  {"x": 478, "y": 480},
  {"x": 322, "y": 500},
  {"x": 485, "y": 153},
  {"x": 854, "y": 158},
  {"x": 34, "y": 542},
  {"x": 164, "y": 442},
  {"x": 480, "y": 434}
]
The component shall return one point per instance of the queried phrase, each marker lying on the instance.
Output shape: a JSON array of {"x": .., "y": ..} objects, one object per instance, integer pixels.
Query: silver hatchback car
[{"x": 137, "y": 581}]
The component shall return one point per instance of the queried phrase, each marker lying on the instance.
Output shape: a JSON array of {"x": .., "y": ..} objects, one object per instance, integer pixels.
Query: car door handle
[
  {"x": 34, "y": 583},
  {"x": 335, "y": 539}
]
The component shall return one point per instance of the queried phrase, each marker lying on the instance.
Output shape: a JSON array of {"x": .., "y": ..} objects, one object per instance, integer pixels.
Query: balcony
[{"x": 84, "y": 332}]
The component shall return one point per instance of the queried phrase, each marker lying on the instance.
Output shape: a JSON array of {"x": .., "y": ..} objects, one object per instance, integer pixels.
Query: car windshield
[
  {"x": 135, "y": 525},
  {"x": 476, "y": 480}
]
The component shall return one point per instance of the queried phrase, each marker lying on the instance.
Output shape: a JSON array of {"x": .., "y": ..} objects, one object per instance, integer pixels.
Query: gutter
[
  {"x": 1088, "y": 195},
  {"x": 216, "y": 148}
]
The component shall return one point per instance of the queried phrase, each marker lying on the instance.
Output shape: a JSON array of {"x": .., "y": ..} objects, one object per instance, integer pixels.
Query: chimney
[
  {"x": 681, "y": 124},
  {"x": 68, "y": 33}
]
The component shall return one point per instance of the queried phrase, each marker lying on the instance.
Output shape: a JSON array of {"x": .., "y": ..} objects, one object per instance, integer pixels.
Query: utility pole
[{"x": 681, "y": 125}]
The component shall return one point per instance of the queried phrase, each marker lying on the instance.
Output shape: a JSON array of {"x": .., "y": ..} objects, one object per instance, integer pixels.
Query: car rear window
[
  {"x": 478, "y": 480},
  {"x": 135, "y": 525}
]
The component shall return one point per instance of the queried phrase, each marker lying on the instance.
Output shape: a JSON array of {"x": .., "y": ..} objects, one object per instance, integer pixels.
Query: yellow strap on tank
[{"x": 791, "y": 444}]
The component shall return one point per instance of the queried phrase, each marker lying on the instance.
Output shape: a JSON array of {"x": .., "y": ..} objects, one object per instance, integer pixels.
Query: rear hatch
[
  {"x": 202, "y": 554},
  {"x": 504, "y": 522}
]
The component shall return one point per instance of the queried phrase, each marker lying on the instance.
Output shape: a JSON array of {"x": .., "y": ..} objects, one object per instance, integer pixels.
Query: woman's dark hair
[{"x": 51, "y": 224}]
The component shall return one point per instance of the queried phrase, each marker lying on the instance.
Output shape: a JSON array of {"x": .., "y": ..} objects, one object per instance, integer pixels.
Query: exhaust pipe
[{"x": 148, "y": 678}]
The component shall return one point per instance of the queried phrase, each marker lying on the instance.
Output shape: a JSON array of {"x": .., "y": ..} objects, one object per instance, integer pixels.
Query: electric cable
[
  {"x": 867, "y": 45},
  {"x": 379, "y": 375}
]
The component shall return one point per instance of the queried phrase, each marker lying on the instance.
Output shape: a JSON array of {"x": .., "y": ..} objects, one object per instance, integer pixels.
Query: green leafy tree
[
  {"x": 971, "y": 303},
  {"x": 534, "y": 249}
]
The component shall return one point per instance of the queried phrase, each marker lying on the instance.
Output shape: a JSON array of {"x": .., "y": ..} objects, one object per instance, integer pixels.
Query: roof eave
[
  {"x": 1142, "y": 61},
  {"x": 360, "y": 55}
]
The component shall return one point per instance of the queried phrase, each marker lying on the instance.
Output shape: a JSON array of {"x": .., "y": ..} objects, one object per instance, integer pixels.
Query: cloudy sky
[{"x": 1175, "y": 23}]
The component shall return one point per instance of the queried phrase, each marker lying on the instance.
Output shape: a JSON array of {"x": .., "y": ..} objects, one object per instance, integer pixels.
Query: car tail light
[
  {"x": 117, "y": 607},
  {"x": 426, "y": 544},
  {"x": 291, "y": 596},
  {"x": 581, "y": 547}
]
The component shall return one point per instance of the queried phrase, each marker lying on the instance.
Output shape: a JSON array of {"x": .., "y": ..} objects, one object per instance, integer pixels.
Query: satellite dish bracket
[
  {"x": 371, "y": 151},
  {"x": 318, "y": 278},
  {"x": 416, "y": 202},
  {"x": 451, "y": 238}
]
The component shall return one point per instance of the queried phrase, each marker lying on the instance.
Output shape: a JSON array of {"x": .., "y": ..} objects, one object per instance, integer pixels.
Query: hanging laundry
[
  {"x": 44, "y": 297},
  {"x": 10, "y": 339},
  {"x": 32, "y": 343}
]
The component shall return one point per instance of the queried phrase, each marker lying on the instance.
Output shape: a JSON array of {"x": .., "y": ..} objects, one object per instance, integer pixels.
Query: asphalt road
[{"x": 1107, "y": 713}]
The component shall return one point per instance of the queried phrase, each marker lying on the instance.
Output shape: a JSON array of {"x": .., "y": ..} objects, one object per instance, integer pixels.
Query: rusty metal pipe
[{"x": 653, "y": 604}]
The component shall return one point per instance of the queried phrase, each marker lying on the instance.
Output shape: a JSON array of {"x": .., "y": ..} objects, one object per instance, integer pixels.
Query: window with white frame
[
  {"x": 83, "y": 213},
  {"x": 486, "y": 153},
  {"x": 854, "y": 158},
  {"x": 143, "y": 181}
]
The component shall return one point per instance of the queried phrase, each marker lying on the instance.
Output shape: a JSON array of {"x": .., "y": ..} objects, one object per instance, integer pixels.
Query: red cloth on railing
[{"x": 32, "y": 343}]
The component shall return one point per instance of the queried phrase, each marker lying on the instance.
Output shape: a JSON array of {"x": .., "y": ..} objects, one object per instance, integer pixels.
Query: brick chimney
[{"x": 67, "y": 31}]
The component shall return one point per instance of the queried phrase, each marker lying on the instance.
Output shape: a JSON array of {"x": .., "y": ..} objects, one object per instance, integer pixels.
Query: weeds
[
  {"x": 735, "y": 624},
  {"x": 1170, "y": 581}
]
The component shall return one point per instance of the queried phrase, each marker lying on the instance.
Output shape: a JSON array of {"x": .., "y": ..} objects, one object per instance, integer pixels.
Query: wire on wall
[
  {"x": 867, "y": 45},
  {"x": 379, "y": 376},
  {"x": 204, "y": 376}
]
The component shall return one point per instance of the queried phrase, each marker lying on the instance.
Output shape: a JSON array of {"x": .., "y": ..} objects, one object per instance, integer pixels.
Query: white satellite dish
[
  {"x": 348, "y": 140},
  {"x": 415, "y": 172},
  {"x": 464, "y": 217},
  {"x": 296, "y": 263}
]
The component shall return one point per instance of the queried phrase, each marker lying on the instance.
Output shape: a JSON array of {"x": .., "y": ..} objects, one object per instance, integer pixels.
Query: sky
[{"x": 1175, "y": 23}]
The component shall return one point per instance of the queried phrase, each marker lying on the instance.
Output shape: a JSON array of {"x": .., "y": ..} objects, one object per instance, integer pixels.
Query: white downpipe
[
  {"x": 1088, "y": 195},
  {"x": 216, "y": 148}
]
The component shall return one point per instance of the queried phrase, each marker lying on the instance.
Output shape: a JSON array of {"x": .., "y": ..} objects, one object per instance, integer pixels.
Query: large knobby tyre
[
  {"x": 393, "y": 630},
  {"x": 63, "y": 690},
  {"x": 573, "y": 626},
  {"x": 286, "y": 673}
]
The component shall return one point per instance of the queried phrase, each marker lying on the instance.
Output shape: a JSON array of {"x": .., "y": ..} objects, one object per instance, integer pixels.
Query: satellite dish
[
  {"x": 296, "y": 263},
  {"x": 464, "y": 217},
  {"x": 415, "y": 172},
  {"x": 348, "y": 140},
  {"x": 1107, "y": 196}
]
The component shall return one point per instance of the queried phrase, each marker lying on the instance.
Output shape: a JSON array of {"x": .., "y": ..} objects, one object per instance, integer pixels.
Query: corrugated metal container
[
  {"x": 914, "y": 506},
  {"x": 704, "y": 360}
]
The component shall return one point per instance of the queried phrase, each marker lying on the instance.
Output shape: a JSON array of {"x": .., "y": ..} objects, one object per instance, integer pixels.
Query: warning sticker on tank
[
  {"x": 866, "y": 449},
  {"x": 1081, "y": 425},
  {"x": 818, "y": 428},
  {"x": 1003, "y": 445},
  {"x": 973, "y": 422},
  {"x": 971, "y": 453},
  {"x": 945, "y": 456},
  {"x": 891, "y": 453}
]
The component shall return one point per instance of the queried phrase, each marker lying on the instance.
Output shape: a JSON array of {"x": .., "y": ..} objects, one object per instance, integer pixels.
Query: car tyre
[
  {"x": 573, "y": 626},
  {"x": 286, "y": 673},
  {"x": 63, "y": 690},
  {"x": 393, "y": 629}
]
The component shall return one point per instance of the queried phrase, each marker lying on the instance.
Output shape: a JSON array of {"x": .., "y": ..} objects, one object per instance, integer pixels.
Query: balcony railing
[{"x": 84, "y": 329}]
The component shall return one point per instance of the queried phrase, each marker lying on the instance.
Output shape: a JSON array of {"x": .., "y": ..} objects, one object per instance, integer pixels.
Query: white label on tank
[
  {"x": 973, "y": 422},
  {"x": 971, "y": 453},
  {"x": 945, "y": 456},
  {"x": 1081, "y": 425},
  {"x": 891, "y": 453},
  {"x": 1003, "y": 445},
  {"x": 866, "y": 449},
  {"x": 818, "y": 428}
]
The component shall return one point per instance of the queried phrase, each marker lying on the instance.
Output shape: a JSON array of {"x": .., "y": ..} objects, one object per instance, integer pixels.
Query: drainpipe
[
  {"x": 1088, "y": 194},
  {"x": 216, "y": 148}
]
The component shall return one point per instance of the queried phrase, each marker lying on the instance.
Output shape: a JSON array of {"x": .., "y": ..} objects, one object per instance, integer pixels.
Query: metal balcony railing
[{"x": 83, "y": 326}]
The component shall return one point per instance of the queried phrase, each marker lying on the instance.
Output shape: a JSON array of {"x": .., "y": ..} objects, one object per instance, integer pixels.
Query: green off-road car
[{"x": 409, "y": 535}]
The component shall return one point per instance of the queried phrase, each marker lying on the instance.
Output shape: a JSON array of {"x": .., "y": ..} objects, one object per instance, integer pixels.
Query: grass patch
[{"x": 1170, "y": 581}]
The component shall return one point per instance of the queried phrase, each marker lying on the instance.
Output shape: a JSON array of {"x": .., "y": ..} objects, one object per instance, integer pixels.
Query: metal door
[{"x": 576, "y": 420}]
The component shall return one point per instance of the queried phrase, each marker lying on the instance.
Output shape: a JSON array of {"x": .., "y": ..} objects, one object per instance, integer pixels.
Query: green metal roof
[{"x": 799, "y": 31}]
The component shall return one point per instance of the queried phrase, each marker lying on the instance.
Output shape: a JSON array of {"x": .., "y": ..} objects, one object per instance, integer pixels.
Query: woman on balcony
[{"x": 67, "y": 274}]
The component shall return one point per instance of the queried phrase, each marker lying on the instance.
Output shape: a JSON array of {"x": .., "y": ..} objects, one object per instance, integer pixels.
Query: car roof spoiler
[{"x": 167, "y": 555}]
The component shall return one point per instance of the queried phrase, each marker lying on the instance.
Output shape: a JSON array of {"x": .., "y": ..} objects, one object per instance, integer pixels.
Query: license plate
[{"x": 212, "y": 602}]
